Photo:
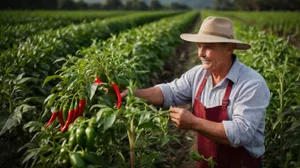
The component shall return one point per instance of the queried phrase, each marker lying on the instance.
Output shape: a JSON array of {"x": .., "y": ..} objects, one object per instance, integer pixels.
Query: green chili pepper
[
  {"x": 80, "y": 136},
  {"x": 90, "y": 137},
  {"x": 72, "y": 140},
  {"x": 77, "y": 161},
  {"x": 91, "y": 158},
  {"x": 65, "y": 111}
]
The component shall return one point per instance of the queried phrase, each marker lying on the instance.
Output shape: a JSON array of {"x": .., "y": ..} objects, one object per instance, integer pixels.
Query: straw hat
[{"x": 216, "y": 30}]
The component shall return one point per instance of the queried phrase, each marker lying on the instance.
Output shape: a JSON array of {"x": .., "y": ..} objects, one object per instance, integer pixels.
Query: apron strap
[
  {"x": 200, "y": 89},
  {"x": 225, "y": 100}
]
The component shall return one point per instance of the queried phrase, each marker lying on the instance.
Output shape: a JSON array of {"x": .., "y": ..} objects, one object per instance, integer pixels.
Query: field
[{"x": 70, "y": 67}]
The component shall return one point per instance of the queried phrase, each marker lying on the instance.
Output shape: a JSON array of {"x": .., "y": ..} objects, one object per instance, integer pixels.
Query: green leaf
[
  {"x": 19, "y": 76},
  {"x": 295, "y": 126},
  {"x": 49, "y": 78},
  {"x": 72, "y": 81},
  {"x": 30, "y": 155},
  {"x": 100, "y": 106},
  {"x": 29, "y": 145},
  {"x": 59, "y": 60},
  {"x": 50, "y": 99},
  {"x": 33, "y": 124},
  {"x": 173, "y": 138},
  {"x": 109, "y": 120},
  {"x": 165, "y": 140},
  {"x": 107, "y": 100},
  {"x": 106, "y": 111},
  {"x": 23, "y": 80},
  {"x": 91, "y": 89},
  {"x": 122, "y": 81},
  {"x": 147, "y": 125},
  {"x": 15, "y": 118},
  {"x": 276, "y": 123},
  {"x": 144, "y": 117}
]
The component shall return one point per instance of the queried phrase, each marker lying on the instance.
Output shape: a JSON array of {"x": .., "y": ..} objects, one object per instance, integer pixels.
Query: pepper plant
[
  {"x": 41, "y": 50},
  {"x": 129, "y": 134}
]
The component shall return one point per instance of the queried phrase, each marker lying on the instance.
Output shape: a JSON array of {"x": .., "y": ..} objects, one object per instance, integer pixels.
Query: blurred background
[{"x": 257, "y": 5}]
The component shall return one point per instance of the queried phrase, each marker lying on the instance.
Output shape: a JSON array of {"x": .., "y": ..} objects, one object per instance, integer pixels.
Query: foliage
[
  {"x": 40, "y": 51},
  {"x": 12, "y": 34},
  {"x": 136, "y": 130},
  {"x": 24, "y": 68}
]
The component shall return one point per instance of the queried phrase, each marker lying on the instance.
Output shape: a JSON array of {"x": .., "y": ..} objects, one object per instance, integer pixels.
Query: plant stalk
[{"x": 130, "y": 134}]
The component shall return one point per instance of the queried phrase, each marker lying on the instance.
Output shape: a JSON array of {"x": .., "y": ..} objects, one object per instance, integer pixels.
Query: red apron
[{"x": 225, "y": 156}]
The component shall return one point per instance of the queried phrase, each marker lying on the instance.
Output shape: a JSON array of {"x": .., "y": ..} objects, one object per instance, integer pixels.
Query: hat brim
[{"x": 204, "y": 38}]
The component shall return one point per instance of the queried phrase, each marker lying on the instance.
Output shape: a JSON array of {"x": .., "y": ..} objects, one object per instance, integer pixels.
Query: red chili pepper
[
  {"x": 98, "y": 81},
  {"x": 70, "y": 118},
  {"x": 75, "y": 112},
  {"x": 118, "y": 95},
  {"x": 60, "y": 118},
  {"x": 53, "y": 117},
  {"x": 81, "y": 107}
]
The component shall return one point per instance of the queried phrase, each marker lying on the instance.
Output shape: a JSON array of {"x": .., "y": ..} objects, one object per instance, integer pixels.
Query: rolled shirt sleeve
[
  {"x": 179, "y": 91},
  {"x": 248, "y": 115}
]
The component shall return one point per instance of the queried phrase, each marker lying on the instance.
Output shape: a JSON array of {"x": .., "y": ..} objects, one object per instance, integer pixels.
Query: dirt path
[{"x": 185, "y": 57}]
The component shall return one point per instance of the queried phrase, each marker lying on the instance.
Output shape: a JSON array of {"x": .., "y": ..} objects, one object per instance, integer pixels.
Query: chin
[{"x": 206, "y": 67}]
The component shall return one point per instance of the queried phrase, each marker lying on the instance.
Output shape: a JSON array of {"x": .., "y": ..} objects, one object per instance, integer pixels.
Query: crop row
[
  {"x": 129, "y": 133},
  {"x": 24, "y": 17},
  {"x": 24, "y": 67},
  {"x": 13, "y": 33},
  {"x": 278, "y": 62}
]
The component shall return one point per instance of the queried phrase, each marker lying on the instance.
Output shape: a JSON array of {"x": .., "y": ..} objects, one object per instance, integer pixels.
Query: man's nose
[{"x": 201, "y": 53}]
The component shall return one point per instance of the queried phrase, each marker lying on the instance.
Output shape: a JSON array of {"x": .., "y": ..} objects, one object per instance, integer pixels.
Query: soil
[{"x": 185, "y": 57}]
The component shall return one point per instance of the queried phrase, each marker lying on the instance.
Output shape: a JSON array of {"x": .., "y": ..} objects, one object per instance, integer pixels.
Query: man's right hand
[{"x": 124, "y": 93}]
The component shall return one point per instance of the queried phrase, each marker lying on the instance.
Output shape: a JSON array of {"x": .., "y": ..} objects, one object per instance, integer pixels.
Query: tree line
[
  {"x": 257, "y": 5},
  {"x": 81, "y": 5}
]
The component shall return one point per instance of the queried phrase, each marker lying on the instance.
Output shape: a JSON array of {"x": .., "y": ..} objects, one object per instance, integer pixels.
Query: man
[{"x": 229, "y": 99}]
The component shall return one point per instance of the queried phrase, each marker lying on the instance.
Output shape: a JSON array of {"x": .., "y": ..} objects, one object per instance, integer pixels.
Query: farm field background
[{"x": 50, "y": 60}]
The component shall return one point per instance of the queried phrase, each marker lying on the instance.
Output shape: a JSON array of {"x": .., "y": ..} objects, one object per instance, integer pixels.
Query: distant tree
[
  {"x": 177, "y": 5},
  {"x": 142, "y": 5},
  {"x": 135, "y": 5},
  {"x": 113, "y": 4},
  {"x": 95, "y": 6},
  {"x": 155, "y": 5},
  {"x": 249, "y": 5},
  {"x": 67, "y": 4},
  {"x": 128, "y": 5},
  {"x": 80, "y": 4},
  {"x": 28, "y": 4},
  {"x": 224, "y": 4}
]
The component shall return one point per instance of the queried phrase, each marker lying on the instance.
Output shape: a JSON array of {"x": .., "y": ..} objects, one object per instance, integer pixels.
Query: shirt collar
[{"x": 234, "y": 70}]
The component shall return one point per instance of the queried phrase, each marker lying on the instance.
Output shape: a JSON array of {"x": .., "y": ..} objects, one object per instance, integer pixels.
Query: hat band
[{"x": 217, "y": 34}]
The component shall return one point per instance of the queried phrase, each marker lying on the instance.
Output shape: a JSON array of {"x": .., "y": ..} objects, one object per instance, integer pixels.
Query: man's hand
[
  {"x": 124, "y": 93},
  {"x": 182, "y": 118}
]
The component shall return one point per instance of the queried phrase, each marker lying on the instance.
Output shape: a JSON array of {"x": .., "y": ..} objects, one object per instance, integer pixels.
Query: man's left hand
[{"x": 182, "y": 118}]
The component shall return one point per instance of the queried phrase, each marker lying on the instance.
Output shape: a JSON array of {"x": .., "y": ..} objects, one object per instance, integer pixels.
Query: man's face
[{"x": 213, "y": 56}]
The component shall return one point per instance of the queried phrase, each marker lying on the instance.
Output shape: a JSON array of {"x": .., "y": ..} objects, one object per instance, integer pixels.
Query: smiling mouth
[{"x": 205, "y": 60}]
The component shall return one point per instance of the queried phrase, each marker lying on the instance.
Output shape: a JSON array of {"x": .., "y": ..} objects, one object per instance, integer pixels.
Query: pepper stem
[{"x": 130, "y": 134}]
